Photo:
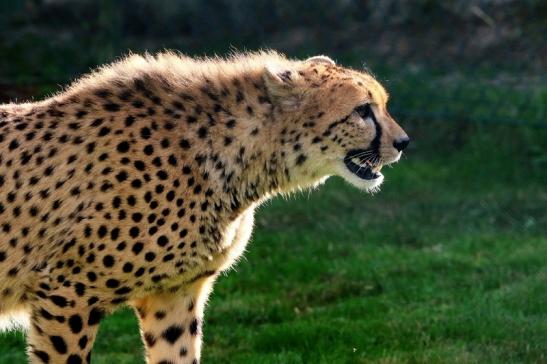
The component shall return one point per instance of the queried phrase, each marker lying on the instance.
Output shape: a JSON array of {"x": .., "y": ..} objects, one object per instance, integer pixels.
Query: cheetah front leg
[
  {"x": 62, "y": 329},
  {"x": 171, "y": 324}
]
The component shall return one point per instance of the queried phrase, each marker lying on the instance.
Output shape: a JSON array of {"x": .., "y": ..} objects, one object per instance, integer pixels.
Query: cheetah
[{"x": 136, "y": 186}]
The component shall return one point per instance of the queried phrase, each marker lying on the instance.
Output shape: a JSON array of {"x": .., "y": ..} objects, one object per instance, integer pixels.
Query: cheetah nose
[{"x": 401, "y": 143}]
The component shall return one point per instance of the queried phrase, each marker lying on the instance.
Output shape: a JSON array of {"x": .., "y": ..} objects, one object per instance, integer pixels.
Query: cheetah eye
[{"x": 364, "y": 111}]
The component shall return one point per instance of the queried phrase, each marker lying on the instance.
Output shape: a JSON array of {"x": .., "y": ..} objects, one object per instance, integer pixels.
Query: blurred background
[{"x": 447, "y": 264}]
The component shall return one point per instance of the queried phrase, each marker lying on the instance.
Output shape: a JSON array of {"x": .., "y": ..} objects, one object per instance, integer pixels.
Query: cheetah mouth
[{"x": 364, "y": 163}]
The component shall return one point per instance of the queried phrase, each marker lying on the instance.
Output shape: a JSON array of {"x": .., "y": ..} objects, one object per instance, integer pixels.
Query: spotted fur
[{"x": 137, "y": 184}]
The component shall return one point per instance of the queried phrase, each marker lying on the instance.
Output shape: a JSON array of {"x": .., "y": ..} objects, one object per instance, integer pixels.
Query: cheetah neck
[{"x": 253, "y": 167}]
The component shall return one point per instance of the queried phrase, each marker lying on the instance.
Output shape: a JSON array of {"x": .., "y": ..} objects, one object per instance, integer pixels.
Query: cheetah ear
[
  {"x": 320, "y": 59},
  {"x": 281, "y": 84}
]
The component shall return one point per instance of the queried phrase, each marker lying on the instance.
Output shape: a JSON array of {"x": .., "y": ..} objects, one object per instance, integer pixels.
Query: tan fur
[{"x": 137, "y": 185}]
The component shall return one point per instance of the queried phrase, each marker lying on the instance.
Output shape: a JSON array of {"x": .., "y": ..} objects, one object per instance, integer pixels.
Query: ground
[{"x": 445, "y": 264}]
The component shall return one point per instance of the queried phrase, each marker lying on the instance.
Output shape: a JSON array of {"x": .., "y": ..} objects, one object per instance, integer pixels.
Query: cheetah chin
[{"x": 362, "y": 176}]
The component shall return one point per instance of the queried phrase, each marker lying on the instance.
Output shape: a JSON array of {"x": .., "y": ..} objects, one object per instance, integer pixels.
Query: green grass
[{"x": 445, "y": 265}]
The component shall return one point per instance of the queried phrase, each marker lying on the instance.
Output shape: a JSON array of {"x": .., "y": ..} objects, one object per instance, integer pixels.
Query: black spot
[
  {"x": 178, "y": 105},
  {"x": 13, "y": 144},
  {"x": 301, "y": 159},
  {"x": 146, "y": 133},
  {"x": 184, "y": 144},
  {"x": 162, "y": 240},
  {"x": 129, "y": 120},
  {"x": 58, "y": 343},
  {"x": 172, "y": 160},
  {"x": 122, "y": 176},
  {"x": 104, "y": 131},
  {"x": 75, "y": 323},
  {"x": 82, "y": 343},
  {"x": 172, "y": 333},
  {"x": 148, "y": 150},
  {"x": 102, "y": 231},
  {"x": 136, "y": 183},
  {"x": 42, "y": 355},
  {"x": 79, "y": 288},
  {"x": 108, "y": 261},
  {"x": 74, "y": 359},
  {"x": 134, "y": 232},
  {"x": 112, "y": 283},
  {"x": 194, "y": 327},
  {"x": 103, "y": 93},
  {"x": 111, "y": 106},
  {"x": 114, "y": 233},
  {"x": 239, "y": 96},
  {"x": 157, "y": 162},
  {"x": 123, "y": 147},
  {"x": 138, "y": 104},
  {"x": 149, "y": 339},
  {"x": 122, "y": 290},
  {"x": 202, "y": 132},
  {"x": 13, "y": 271},
  {"x": 91, "y": 276},
  {"x": 231, "y": 123},
  {"x": 139, "y": 165},
  {"x": 162, "y": 175},
  {"x": 127, "y": 267},
  {"x": 95, "y": 316},
  {"x": 137, "y": 248},
  {"x": 58, "y": 300}
]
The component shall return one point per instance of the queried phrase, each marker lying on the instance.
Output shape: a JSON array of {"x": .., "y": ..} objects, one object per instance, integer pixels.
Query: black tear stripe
[
  {"x": 335, "y": 123},
  {"x": 375, "y": 143}
]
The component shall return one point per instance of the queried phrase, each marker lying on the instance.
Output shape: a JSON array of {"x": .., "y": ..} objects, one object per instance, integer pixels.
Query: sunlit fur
[{"x": 242, "y": 128}]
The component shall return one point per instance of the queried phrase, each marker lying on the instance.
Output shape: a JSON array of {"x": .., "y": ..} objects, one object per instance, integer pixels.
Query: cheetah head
[{"x": 341, "y": 120}]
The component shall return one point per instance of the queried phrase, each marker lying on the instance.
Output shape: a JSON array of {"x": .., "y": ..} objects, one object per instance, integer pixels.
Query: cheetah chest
[{"x": 234, "y": 240}]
